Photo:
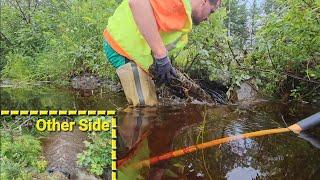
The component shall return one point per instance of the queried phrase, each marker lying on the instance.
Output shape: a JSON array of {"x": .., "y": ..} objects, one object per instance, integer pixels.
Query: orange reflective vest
[{"x": 174, "y": 23}]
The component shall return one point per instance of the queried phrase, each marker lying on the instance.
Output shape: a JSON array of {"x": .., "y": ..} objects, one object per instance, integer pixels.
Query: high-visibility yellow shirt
[{"x": 173, "y": 18}]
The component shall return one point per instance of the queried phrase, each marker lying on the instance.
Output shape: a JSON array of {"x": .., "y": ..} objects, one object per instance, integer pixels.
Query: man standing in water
[{"x": 141, "y": 32}]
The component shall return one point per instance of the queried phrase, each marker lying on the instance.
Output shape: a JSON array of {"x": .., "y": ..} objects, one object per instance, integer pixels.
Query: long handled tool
[{"x": 300, "y": 126}]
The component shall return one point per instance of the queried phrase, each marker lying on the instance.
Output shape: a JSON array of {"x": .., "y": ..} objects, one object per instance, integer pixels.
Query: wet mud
[{"x": 61, "y": 149}]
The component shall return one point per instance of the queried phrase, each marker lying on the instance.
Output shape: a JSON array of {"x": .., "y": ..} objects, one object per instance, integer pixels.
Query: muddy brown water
[
  {"x": 148, "y": 132},
  {"x": 282, "y": 156}
]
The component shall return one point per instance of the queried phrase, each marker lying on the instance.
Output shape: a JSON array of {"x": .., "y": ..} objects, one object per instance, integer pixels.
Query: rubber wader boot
[{"x": 138, "y": 86}]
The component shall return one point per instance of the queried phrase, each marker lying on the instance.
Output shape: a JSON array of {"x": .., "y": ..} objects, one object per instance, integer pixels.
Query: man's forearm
[{"x": 146, "y": 22}]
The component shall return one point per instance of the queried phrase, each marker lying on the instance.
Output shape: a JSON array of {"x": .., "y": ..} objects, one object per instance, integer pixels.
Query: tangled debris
[{"x": 184, "y": 87}]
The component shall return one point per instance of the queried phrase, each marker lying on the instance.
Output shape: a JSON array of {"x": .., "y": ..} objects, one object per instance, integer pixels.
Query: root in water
[{"x": 184, "y": 87}]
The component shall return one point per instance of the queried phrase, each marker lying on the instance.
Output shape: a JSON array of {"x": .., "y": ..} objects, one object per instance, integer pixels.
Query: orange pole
[
  {"x": 205, "y": 145},
  {"x": 302, "y": 125},
  {"x": 133, "y": 152}
]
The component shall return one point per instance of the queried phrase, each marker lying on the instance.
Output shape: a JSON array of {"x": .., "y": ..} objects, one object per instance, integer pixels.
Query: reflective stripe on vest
[{"x": 124, "y": 37}]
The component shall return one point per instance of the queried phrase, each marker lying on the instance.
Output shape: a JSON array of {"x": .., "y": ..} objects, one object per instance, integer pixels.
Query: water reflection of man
[
  {"x": 146, "y": 132},
  {"x": 133, "y": 130}
]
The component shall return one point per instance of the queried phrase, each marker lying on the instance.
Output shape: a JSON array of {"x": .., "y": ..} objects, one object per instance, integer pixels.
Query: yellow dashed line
[
  {"x": 53, "y": 112},
  {"x": 114, "y": 122},
  {"x": 72, "y": 112},
  {"x": 111, "y": 112},
  {"x": 57, "y": 112},
  {"x": 4, "y": 112},
  {"x": 92, "y": 112},
  {"x": 102, "y": 112},
  {"x": 114, "y": 133},
  {"x": 43, "y": 112},
  {"x": 114, "y": 165},
  {"x": 114, "y": 175},
  {"x": 114, "y": 144},
  {"x": 33, "y": 112},
  {"x": 63, "y": 112},
  {"x": 23, "y": 113},
  {"x": 114, "y": 155},
  {"x": 80, "y": 113},
  {"x": 14, "y": 112}
]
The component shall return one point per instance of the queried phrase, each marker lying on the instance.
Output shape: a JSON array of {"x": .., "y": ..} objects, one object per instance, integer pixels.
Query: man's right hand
[{"x": 164, "y": 72}]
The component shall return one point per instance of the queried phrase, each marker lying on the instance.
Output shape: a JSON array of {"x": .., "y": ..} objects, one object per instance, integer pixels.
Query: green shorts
[{"x": 113, "y": 57}]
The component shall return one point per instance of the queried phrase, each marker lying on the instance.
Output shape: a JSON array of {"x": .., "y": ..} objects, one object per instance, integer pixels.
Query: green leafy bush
[
  {"x": 287, "y": 53},
  {"x": 54, "y": 40},
  {"x": 20, "y": 156},
  {"x": 97, "y": 155},
  {"x": 274, "y": 43},
  {"x": 275, "y": 46}
]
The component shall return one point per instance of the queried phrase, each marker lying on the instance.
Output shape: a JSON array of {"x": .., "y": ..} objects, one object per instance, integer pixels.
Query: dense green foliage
[
  {"x": 21, "y": 152},
  {"x": 275, "y": 47},
  {"x": 97, "y": 156},
  {"x": 288, "y": 49},
  {"x": 53, "y": 40},
  {"x": 274, "y": 44}
]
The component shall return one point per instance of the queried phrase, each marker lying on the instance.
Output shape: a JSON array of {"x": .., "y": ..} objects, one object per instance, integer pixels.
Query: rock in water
[{"x": 246, "y": 92}]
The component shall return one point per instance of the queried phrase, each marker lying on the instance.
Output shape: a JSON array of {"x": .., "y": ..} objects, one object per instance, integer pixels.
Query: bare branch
[
  {"x": 18, "y": 7},
  {"x": 4, "y": 37}
]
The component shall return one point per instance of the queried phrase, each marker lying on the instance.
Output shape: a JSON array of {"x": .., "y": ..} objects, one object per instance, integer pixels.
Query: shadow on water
[{"x": 148, "y": 132}]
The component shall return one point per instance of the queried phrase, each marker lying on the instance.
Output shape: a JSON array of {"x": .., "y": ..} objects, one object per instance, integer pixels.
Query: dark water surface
[
  {"x": 148, "y": 132},
  {"x": 51, "y": 97},
  {"x": 282, "y": 156}
]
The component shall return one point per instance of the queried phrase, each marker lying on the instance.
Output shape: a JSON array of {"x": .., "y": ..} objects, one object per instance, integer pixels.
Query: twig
[
  {"x": 269, "y": 55},
  {"x": 20, "y": 126},
  {"x": 203, "y": 124},
  {"x": 283, "y": 73},
  {"x": 24, "y": 16},
  {"x": 311, "y": 91},
  {"x": 204, "y": 161},
  {"x": 192, "y": 62},
  {"x": 234, "y": 56},
  {"x": 308, "y": 69},
  {"x": 284, "y": 120},
  {"x": 36, "y": 3},
  {"x": 202, "y": 132},
  {"x": 5, "y": 38},
  {"x": 300, "y": 78}
]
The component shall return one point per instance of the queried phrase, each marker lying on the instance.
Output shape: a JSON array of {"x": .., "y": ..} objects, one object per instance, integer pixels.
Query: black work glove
[{"x": 163, "y": 71}]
